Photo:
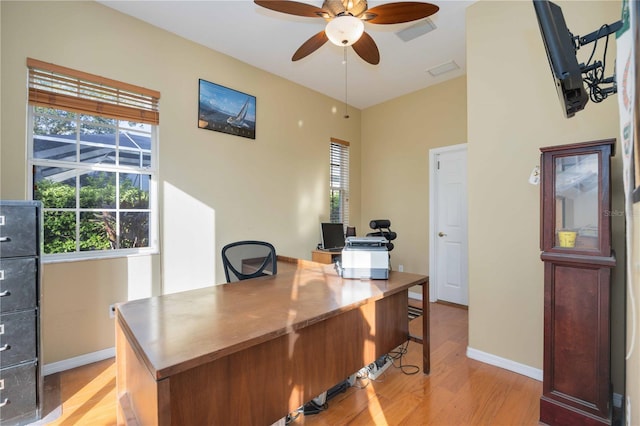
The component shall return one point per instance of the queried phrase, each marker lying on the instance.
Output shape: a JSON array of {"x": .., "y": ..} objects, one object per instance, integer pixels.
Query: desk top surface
[{"x": 175, "y": 332}]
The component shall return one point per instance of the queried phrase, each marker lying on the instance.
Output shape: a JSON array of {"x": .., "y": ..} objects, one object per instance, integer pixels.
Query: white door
[{"x": 448, "y": 266}]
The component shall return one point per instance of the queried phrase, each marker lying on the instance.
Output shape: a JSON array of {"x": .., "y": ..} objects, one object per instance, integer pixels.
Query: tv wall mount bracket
[{"x": 594, "y": 71}]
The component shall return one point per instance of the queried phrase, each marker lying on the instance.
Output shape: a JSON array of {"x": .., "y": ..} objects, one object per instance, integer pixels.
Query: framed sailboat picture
[{"x": 226, "y": 110}]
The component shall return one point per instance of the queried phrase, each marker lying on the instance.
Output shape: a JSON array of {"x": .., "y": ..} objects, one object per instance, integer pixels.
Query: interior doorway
[{"x": 448, "y": 240}]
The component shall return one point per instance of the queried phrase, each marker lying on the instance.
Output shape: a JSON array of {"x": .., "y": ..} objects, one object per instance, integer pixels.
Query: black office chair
[
  {"x": 248, "y": 259},
  {"x": 351, "y": 231},
  {"x": 383, "y": 227}
]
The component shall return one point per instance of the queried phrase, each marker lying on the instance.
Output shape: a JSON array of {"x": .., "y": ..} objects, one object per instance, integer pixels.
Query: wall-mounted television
[
  {"x": 576, "y": 83},
  {"x": 561, "y": 52},
  {"x": 332, "y": 235}
]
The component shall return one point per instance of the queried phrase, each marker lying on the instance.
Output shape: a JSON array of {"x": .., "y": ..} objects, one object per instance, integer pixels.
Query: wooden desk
[
  {"x": 253, "y": 351},
  {"x": 324, "y": 256}
]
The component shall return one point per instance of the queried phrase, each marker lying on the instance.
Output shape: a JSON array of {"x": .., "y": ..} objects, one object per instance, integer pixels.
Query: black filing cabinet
[{"x": 21, "y": 380}]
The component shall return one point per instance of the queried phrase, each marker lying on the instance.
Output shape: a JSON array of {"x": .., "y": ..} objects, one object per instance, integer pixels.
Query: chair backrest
[
  {"x": 248, "y": 259},
  {"x": 383, "y": 227}
]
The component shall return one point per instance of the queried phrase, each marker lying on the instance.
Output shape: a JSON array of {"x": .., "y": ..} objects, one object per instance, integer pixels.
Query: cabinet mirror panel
[{"x": 576, "y": 200}]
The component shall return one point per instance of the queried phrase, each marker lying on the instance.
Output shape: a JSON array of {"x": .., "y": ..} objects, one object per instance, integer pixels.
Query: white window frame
[
  {"x": 339, "y": 178},
  {"x": 79, "y": 168}
]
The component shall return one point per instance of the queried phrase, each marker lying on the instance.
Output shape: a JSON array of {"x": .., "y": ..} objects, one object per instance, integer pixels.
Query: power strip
[{"x": 375, "y": 371}]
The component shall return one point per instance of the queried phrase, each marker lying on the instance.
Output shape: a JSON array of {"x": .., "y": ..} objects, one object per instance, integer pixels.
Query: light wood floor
[{"x": 459, "y": 391}]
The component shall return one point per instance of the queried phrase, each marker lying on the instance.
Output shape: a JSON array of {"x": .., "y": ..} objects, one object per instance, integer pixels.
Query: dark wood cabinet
[
  {"x": 578, "y": 259},
  {"x": 20, "y": 361}
]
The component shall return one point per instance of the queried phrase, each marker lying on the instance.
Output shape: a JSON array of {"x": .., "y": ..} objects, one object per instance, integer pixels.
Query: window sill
[{"x": 79, "y": 257}]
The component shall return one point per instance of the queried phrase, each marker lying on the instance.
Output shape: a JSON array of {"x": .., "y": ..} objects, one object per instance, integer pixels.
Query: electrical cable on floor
[{"x": 408, "y": 369}]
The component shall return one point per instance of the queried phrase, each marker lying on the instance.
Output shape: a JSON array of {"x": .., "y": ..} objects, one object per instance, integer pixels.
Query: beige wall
[
  {"x": 76, "y": 297},
  {"x": 513, "y": 110},
  {"x": 633, "y": 322},
  {"x": 214, "y": 188},
  {"x": 397, "y": 136}
]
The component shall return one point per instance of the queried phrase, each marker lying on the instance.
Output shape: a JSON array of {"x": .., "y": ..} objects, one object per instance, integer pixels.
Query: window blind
[
  {"x": 339, "y": 181},
  {"x": 54, "y": 86}
]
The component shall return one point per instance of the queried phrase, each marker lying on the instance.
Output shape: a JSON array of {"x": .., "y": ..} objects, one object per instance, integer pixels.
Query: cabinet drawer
[
  {"x": 17, "y": 337},
  {"x": 18, "y": 283},
  {"x": 18, "y": 231},
  {"x": 18, "y": 401}
]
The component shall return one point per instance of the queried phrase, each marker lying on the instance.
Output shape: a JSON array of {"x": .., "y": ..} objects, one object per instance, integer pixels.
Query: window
[
  {"x": 339, "y": 181},
  {"x": 93, "y": 156}
]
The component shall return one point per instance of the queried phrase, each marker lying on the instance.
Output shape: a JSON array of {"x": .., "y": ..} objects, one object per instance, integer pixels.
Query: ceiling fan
[{"x": 345, "y": 19}]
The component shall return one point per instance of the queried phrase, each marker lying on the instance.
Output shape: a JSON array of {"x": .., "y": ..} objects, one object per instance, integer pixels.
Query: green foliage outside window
[
  {"x": 97, "y": 228},
  {"x": 334, "y": 207}
]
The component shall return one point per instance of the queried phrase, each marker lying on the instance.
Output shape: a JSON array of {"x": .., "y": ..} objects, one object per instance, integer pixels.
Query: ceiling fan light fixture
[{"x": 344, "y": 30}]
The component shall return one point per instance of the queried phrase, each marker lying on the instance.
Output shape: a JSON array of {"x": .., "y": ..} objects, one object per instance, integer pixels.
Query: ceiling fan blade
[
  {"x": 404, "y": 11},
  {"x": 366, "y": 48},
  {"x": 310, "y": 46},
  {"x": 292, "y": 8}
]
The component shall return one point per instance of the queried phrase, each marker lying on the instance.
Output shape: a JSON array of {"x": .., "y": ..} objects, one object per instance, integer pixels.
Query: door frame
[{"x": 433, "y": 196}]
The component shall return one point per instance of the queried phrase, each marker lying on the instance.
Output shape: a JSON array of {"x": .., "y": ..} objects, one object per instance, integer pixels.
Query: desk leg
[{"x": 426, "y": 332}]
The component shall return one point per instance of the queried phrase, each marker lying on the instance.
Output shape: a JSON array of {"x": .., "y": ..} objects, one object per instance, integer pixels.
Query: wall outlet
[
  {"x": 400, "y": 268},
  {"x": 112, "y": 311}
]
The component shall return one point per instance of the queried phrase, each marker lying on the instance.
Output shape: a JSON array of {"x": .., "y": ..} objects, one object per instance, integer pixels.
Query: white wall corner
[
  {"x": 507, "y": 364},
  {"x": 416, "y": 296},
  {"x": 78, "y": 361}
]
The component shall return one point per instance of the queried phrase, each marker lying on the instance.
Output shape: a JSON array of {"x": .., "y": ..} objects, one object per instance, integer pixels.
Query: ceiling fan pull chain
[{"x": 346, "y": 112}]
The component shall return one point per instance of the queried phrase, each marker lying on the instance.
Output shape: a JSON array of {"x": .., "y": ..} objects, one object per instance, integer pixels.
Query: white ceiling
[{"x": 267, "y": 40}]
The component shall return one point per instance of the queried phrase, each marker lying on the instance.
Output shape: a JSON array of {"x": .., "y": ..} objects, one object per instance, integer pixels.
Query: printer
[{"x": 365, "y": 258}]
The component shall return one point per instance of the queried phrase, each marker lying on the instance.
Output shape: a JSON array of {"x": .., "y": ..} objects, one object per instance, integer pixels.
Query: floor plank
[
  {"x": 459, "y": 391},
  {"x": 88, "y": 395}
]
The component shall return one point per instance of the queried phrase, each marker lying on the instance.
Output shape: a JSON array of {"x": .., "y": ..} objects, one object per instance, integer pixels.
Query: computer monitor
[{"x": 332, "y": 235}]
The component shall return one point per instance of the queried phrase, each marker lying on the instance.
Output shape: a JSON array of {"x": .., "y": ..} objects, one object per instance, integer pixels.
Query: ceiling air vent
[
  {"x": 416, "y": 30},
  {"x": 443, "y": 68}
]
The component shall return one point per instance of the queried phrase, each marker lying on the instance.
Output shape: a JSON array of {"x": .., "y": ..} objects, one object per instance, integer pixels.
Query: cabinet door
[
  {"x": 17, "y": 337},
  {"x": 18, "y": 231},
  {"x": 18, "y": 399},
  {"x": 576, "y": 339},
  {"x": 576, "y": 200},
  {"x": 18, "y": 283}
]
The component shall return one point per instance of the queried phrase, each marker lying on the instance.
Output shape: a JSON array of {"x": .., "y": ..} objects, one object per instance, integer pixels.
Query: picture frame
[{"x": 226, "y": 110}]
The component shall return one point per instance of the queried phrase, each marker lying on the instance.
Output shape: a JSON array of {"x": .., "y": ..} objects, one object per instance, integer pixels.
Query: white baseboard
[
  {"x": 78, "y": 361},
  {"x": 525, "y": 370},
  {"x": 417, "y": 296},
  {"x": 507, "y": 364}
]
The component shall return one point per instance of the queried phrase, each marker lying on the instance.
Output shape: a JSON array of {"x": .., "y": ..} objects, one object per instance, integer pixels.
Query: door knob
[{"x": 441, "y": 234}]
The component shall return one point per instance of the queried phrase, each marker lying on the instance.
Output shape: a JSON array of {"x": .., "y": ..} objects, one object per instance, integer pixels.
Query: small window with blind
[
  {"x": 339, "y": 181},
  {"x": 93, "y": 157}
]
